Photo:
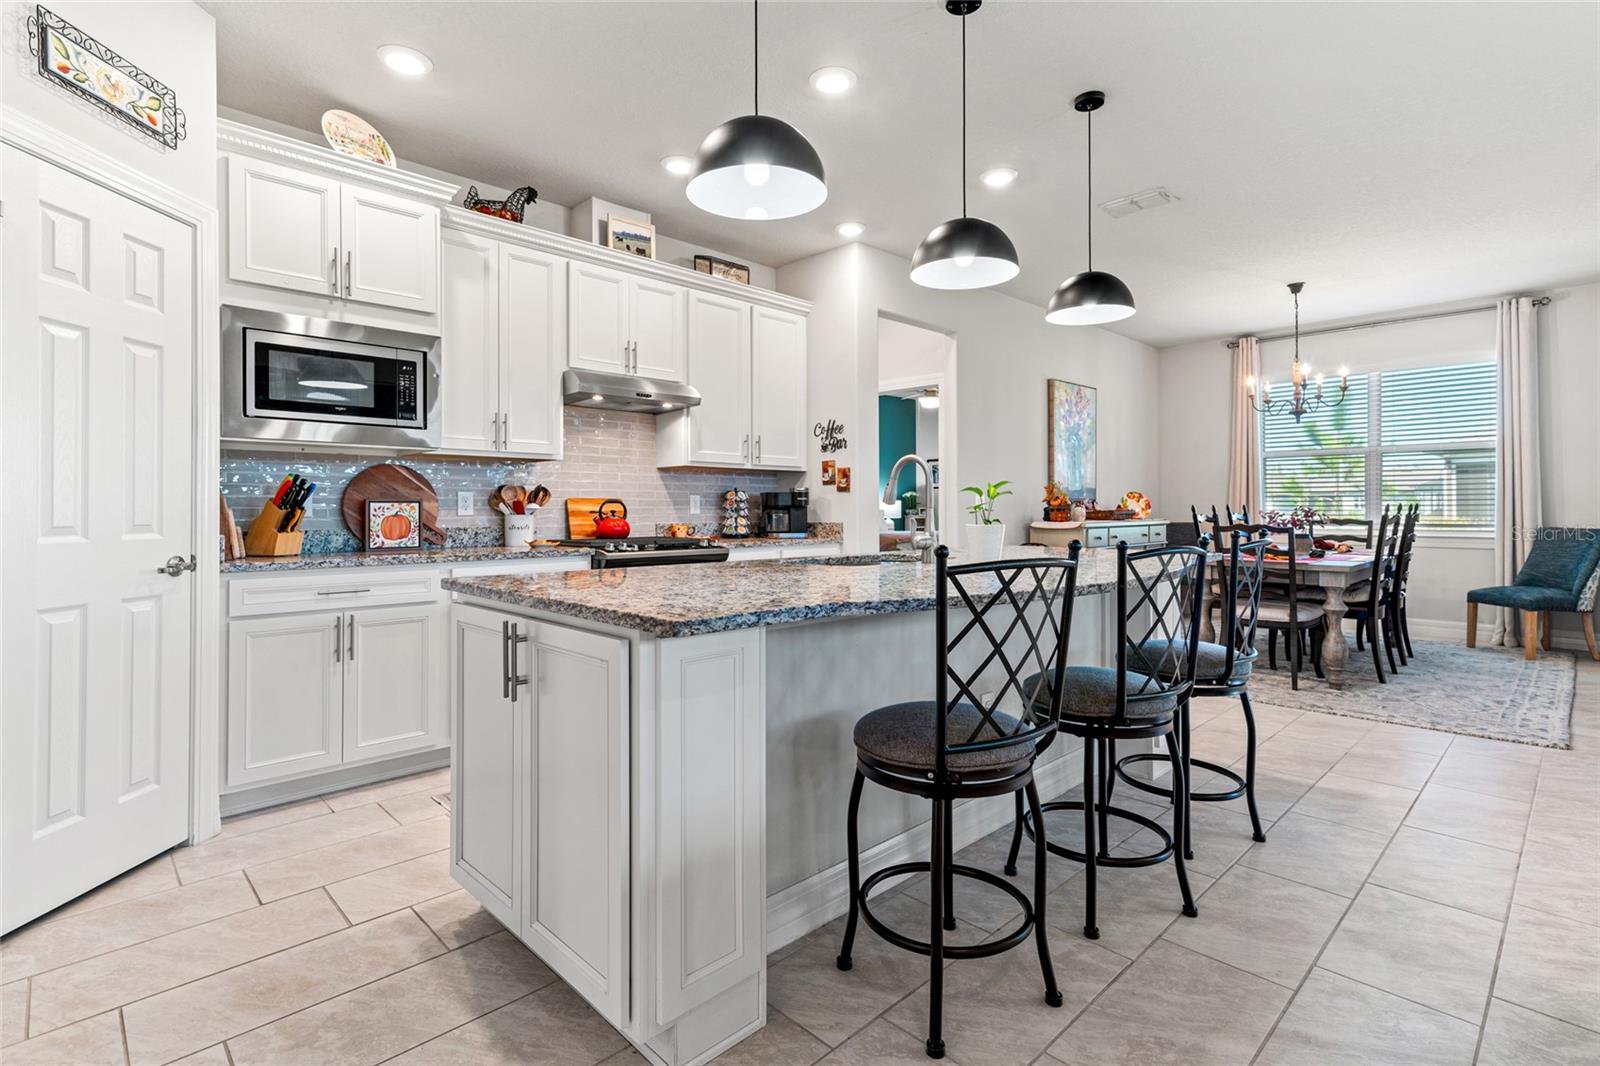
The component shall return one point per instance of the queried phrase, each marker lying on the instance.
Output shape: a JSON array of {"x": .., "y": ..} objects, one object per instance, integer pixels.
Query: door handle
[
  {"x": 509, "y": 639},
  {"x": 348, "y": 256},
  {"x": 351, "y": 649},
  {"x": 176, "y": 566},
  {"x": 333, "y": 270}
]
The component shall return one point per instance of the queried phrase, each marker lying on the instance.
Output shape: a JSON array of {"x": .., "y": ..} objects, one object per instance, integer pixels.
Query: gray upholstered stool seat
[
  {"x": 1209, "y": 659},
  {"x": 1091, "y": 692},
  {"x": 903, "y": 735}
]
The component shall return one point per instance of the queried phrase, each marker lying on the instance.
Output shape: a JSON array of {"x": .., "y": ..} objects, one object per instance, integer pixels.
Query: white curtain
[
  {"x": 1517, "y": 480},
  {"x": 1244, "y": 437}
]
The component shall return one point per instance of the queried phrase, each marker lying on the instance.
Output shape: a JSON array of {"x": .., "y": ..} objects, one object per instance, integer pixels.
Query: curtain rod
[{"x": 1539, "y": 301}]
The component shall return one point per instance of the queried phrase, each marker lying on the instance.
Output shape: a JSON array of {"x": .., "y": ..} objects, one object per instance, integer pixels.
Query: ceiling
[{"x": 1389, "y": 155}]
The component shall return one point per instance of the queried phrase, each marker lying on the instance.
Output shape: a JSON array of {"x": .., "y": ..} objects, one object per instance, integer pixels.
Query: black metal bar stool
[
  {"x": 962, "y": 745},
  {"x": 1221, "y": 670},
  {"x": 1139, "y": 699}
]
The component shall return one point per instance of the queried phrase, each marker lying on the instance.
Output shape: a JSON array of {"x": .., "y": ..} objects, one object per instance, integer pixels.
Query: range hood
[{"x": 624, "y": 392}]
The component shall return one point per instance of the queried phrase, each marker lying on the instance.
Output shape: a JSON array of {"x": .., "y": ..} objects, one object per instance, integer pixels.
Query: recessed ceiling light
[
  {"x": 677, "y": 164},
  {"x": 850, "y": 230},
  {"x": 833, "y": 80},
  {"x": 403, "y": 60},
  {"x": 998, "y": 177}
]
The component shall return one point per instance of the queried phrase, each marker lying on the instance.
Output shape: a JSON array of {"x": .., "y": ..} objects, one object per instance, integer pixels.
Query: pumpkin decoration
[
  {"x": 1138, "y": 503},
  {"x": 395, "y": 527},
  {"x": 394, "y": 524}
]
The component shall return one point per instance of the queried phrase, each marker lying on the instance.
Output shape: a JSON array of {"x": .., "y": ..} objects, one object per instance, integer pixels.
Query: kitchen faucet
[{"x": 925, "y": 542}]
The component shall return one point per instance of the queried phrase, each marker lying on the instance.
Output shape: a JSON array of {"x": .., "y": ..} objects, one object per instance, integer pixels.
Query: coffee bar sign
[{"x": 831, "y": 436}]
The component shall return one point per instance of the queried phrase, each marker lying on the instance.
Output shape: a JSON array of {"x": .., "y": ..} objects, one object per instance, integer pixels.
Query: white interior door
[{"x": 97, "y": 393}]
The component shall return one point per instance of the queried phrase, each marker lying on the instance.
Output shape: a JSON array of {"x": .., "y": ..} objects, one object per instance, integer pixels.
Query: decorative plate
[{"x": 355, "y": 136}]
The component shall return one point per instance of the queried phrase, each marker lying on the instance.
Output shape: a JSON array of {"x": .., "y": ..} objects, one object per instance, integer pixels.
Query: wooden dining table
[{"x": 1334, "y": 573}]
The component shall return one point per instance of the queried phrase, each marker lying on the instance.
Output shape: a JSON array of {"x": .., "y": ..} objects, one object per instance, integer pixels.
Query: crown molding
[
  {"x": 237, "y": 137},
  {"x": 496, "y": 229}
]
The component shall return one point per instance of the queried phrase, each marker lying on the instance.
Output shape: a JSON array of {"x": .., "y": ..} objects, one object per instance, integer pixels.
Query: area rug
[{"x": 1481, "y": 692}]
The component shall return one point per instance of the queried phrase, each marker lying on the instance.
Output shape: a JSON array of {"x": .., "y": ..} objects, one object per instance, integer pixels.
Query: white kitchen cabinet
[
  {"x": 390, "y": 246},
  {"x": 719, "y": 337},
  {"x": 778, "y": 389},
  {"x": 394, "y": 666},
  {"x": 656, "y": 316},
  {"x": 623, "y": 324},
  {"x": 283, "y": 227},
  {"x": 471, "y": 356},
  {"x": 285, "y": 694}
]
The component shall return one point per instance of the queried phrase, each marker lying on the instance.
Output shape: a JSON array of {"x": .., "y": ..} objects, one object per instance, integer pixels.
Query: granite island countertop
[{"x": 680, "y": 601}]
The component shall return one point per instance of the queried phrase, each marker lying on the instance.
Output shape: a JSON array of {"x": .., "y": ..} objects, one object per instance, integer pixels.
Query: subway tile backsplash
[{"x": 607, "y": 453}]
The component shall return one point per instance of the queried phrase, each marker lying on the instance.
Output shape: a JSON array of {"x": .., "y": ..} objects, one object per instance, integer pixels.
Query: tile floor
[{"x": 1422, "y": 898}]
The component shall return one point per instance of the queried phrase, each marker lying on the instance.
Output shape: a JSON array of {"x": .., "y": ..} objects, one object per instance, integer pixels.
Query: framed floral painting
[
  {"x": 1073, "y": 427},
  {"x": 82, "y": 65}
]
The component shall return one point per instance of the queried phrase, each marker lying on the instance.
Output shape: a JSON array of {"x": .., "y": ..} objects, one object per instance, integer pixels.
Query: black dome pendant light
[
  {"x": 756, "y": 167},
  {"x": 965, "y": 252},
  {"x": 1092, "y": 297}
]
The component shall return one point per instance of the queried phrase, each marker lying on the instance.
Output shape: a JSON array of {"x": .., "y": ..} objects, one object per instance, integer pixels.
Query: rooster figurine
[{"x": 509, "y": 209}]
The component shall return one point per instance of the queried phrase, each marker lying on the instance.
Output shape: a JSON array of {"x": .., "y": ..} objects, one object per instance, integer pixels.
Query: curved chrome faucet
[{"x": 925, "y": 542}]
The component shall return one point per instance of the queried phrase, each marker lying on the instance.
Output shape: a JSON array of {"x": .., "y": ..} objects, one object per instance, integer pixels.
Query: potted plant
[{"x": 985, "y": 535}]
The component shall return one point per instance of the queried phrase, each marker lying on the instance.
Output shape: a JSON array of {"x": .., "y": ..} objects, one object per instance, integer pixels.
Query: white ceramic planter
[
  {"x": 984, "y": 541},
  {"x": 519, "y": 529}
]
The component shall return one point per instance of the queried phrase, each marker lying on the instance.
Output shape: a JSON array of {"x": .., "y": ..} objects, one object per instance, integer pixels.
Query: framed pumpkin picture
[{"x": 393, "y": 524}]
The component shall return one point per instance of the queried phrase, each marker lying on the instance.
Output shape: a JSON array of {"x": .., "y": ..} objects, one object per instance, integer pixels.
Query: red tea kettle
[{"x": 611, "y": 526}]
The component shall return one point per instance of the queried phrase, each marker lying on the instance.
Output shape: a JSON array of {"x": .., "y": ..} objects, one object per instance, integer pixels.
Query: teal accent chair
[{"x": 1562, "y": 573}]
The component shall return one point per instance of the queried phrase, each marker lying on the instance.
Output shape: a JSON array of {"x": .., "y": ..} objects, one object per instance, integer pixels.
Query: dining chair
[
  {"x": 1351, "y": 531},
  {"x": 1284, "y": 610},
  {"x": 1372, "y": 609},
  {"x": 1561, "y": 573}
]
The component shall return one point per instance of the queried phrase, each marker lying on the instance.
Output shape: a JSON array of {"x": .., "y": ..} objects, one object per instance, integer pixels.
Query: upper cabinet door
[
  {"x": 719, "y": 367},
  {"x": 283, "y": 227},
  {"x": 389, "y": 250},
  {"x": 658, "y": 332},
  {"x": 470, "y": 351},
  {"x": 778, "y": 390},
  {"x": 598, "y": 323},
  {"x": 533, "y": 327}
]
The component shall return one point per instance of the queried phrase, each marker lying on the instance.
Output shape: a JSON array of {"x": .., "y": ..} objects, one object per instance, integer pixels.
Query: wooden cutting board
[
  {"x": 390, "y": 481},
  {"x": 580, "y": 516}
]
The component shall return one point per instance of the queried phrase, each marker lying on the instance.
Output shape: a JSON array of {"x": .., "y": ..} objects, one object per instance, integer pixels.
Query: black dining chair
[
  {"x": 1374, "y": 609},
  {"x": 1350, "y": 531},
  {"x": 1008, "y": 648},
  {"x": 1284, "y": 610}
]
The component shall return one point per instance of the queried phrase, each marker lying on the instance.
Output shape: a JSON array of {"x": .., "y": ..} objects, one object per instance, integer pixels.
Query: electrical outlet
[
  {"x": 694, "y": 505},
  {"x": 464, "y": 503}
]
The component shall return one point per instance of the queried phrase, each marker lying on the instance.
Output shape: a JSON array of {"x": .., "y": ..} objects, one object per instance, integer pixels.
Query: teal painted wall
[{"x": 897, "y": 436}]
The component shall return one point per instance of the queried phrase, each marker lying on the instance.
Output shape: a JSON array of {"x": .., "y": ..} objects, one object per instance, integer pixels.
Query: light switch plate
[
  {"x": 463, "y": 503},
  {"x": 694, "y": 505}
]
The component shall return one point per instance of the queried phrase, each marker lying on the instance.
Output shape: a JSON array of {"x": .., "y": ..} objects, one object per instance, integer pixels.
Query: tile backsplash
[{"x": 606, "y": 453}]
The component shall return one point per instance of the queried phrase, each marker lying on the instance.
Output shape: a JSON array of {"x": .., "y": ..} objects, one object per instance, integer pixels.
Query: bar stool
[
  {"x": 1221, "y": 670},
  {"x": 1139, "y": 699},
  {"x": 961, "y": 745}
]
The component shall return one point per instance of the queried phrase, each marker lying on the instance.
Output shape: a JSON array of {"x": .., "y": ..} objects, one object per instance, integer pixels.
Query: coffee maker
[{"x": 783, "y": 514}]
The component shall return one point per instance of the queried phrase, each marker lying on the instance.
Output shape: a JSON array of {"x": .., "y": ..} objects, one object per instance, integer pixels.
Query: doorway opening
[{"x": 915, "y": 401}]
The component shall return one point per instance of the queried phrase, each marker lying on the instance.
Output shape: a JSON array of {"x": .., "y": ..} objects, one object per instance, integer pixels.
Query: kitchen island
[{"x": 650, "y": 767}]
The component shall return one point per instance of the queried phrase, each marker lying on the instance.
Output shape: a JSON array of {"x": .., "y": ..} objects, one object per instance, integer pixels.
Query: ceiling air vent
[{"x": 1123, "y": 206}]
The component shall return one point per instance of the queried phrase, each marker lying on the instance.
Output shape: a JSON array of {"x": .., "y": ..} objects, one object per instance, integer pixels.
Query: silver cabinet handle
[
  {"x": 509, "y": 639},
  {"x": 175, "y": 566},
  {"x": 758, "y": 447},
  {"x": 635, "y": 357},
  {"x": 348, "y": 256},
  {"x": 744, "y": 449},
  {"x": 505, "y": 433},
  {"x": 333, "y": 269},
  {"x": 351, "y": 649},
  {"x": 338, "y": 637},
  {"x": 340, "y": 592},
  {"x": 494, "y": 431}
]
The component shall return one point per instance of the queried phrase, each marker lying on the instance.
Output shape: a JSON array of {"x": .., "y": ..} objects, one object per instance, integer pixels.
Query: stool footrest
[
  {"x": 1166, "y": 793},
  {"x": 1150, "y": 859},
  {"x": 1016, "y": 936}
]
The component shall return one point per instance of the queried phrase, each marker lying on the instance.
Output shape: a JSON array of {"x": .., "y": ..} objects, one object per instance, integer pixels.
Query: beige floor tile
[
  {"x": 432, "y": 781},
  {"x": 551, "y": 1027},
  {"x": 1551, "y": 965},
  {"x": 994, "y": 1008},
  {"x": 1314, "y": 852},
  {"x": 1134, "y": 905},
  {"x": 1388, "y": 736},
  {"x": 1515, "y": 1036},
  {"x": 1174, "y": 1006},
  {"x": 1222, "y": 833},
  {"x": 1496, "y": 749},
  {"x": 1275, "y": 793},
  {"x": 1262, "y": 924},
  {"x": 1565, "y": 820},
  {"x": 215, "y": 1055},
  {"x": 255, "y": 821},
  {"x": 1354, "y": 801},
  {"x": 1493, "y": 820},
  {"x": 779, "y": 1043},
  {"x": 400, "y": 1012},
  {"x": 883, "y": 1044},
  {"x": 105, "y": 982},
  {"x": 1426, "y": 952},
  {"x": 1334, "y": 730},
  {"x": 628, "y": 1056},
  {"x": 381, "y": 891},
  {"x": 1335, "y": 1021},
  {"x": 414, "y": 807},
  {"x": 151, "y": 877},
  {"x": 1492, "y": 774},
  {"x": 1449, "y": 870},
  {"x": 1394, "y": 766},
  {"x": 45, "y": 947},
  {"x": 227, "y": 854},
  {"x": 193, "y": 1016},
  {"x": 92, "y": 1042},
  {"x": 457, "y": 918},
  {"x": 13, "y": 1013},
  {"x": 297, "y": 873},
  {"x": 1298, "y": 756},
  {"x": 1554, "y": 880}
]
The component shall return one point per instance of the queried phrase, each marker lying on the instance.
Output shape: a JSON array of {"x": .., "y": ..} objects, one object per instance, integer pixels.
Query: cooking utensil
[
  {"x": 541, "y": 496},
  {"x": 611, "y": 525},
  {"x": 513, "y": 494}
]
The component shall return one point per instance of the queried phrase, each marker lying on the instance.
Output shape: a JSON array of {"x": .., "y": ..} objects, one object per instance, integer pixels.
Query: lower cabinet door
[
  {"x": 394, "y": 664},
  {"x": 486, "y": 767},
  {"x": 576, "y": 900},
  {"x": 284, "y": 682}
]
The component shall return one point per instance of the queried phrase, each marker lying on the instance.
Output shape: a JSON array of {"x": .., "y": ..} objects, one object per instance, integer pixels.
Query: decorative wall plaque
[{"x": 82, "y": 65}]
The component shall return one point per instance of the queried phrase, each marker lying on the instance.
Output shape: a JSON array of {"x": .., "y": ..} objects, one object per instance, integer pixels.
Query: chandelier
[{"x": 1305, "y": 388}]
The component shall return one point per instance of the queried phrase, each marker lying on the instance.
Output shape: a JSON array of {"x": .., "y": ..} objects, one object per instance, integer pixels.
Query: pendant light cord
[
  {"x": 755, "y": 47},
  {"x": 963, "y": 114},
  {"x": 1088, "y": 203}
]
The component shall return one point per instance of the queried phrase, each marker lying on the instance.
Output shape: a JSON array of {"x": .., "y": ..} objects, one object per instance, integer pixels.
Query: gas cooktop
[{"x": 650, "y": 551}]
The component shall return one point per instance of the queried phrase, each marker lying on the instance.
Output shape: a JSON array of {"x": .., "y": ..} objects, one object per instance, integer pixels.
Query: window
[{"x": 1423, "y": 435}]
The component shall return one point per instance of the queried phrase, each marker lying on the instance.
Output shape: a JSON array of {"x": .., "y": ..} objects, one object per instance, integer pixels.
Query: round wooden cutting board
[{"x": 390, "y": 481}]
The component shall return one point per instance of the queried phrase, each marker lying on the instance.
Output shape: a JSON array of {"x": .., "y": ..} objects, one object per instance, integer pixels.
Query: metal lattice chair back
[
  {"x": 1020, "y": 619},
  {"x": 1158, "y": 620},
  {"x": 1246, "y": 572}
]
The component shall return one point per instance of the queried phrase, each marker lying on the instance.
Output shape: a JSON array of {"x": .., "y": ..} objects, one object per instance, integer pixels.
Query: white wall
[
  {"x": 172, "y": 42},
  {"x": 909, "y": 354}
]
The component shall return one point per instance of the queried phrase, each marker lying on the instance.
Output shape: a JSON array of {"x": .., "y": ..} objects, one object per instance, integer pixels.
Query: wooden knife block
[{"x": 264, "y": 538}]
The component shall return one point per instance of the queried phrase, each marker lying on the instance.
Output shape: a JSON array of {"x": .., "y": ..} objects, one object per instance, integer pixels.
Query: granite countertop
[{"x": 680, "y": 601}]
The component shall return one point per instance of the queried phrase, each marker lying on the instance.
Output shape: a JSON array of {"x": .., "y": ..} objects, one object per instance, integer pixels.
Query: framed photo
[
  {"x": 393, "y": 524},
  {"x": 721, "y": 268},
  {"x": 1071, "y": 430},
  {"x": 82, "y": 65},
  {"x": 635, "y": 238},
  {"x": 828, "y": 468},
  {"x": 842, "y": 479}
]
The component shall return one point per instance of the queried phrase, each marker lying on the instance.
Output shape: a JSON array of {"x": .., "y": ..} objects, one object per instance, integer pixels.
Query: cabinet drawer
[
  {"x": 324, "y": 591},
  {"x": 1158, "y": 534},
  {"x": 1098, "y": 537}
]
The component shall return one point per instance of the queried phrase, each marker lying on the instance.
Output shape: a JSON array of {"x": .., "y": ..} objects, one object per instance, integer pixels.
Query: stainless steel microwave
[{"x": 299, "y": 380}]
